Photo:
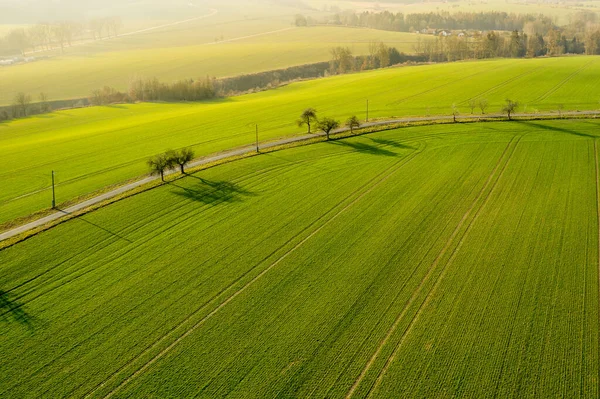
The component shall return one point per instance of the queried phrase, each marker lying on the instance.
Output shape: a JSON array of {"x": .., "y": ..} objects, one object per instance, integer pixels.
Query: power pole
[
  {"x": 367, "y": 110},
  {"x": 53, "y": 192},
  {"x": 257, "y": 149}
]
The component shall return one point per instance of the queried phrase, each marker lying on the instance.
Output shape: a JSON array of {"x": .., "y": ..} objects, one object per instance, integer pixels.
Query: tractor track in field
[
  {"x": 442, "y": 274},
  {"x": 505, "y": 156},
  {"x": 502, "y": 84},
  {"x": 563, "y": 82},
  {"x": 365, "y": 189}
]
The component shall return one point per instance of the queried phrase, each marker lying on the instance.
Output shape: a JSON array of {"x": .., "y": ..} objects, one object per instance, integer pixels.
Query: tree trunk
[
  {"x": 162, "y": 175},
  {"x": 327, "y": 133},
  {"x": 182, "y": 166}
]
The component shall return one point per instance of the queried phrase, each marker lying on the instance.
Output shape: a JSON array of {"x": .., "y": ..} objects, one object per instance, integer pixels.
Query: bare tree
[
  {"x": 181, "y": 158},
  {"x": 44, "y": 104},
  {"x": 19, "y": 40},
  {"x": 159, "y": 164},
  {"x": 22, "y": 102},
  {"x": 327, "y": 125},
  {"x": 307, "y": 117},
  {"x": 455, "y": 112},
  {"x": 483, "y": 105},
  {"x": 472, "y": 104},
  {"x": 510, "y": 107},
  {"x": 352, "y": 123}
]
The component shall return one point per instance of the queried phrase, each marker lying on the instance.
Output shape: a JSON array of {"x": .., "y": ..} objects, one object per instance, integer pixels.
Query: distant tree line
[
  {"x": 399, "y": 22},
  {"x": 47, "y": 36}
]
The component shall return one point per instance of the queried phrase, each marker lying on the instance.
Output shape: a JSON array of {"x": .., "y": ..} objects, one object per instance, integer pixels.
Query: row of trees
[
  {"x": 380, "y": 56},
  {"x": 159, "y": 164},
  {"x": 46, "y": 36},
  {"x": 154, "y": 90},
  {"x": 513, "y": 45},
  {"x": 22, "y": 106},
  {"x": 309, "y": 118},
  {"x": 386, "y": 20}
]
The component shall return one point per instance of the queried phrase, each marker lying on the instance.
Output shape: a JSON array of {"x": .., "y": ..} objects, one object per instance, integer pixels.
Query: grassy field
[
  {"x": 95, "y": 147},
  {"x": 440, "y": 261},
  {"x": 76, "y": 75}
]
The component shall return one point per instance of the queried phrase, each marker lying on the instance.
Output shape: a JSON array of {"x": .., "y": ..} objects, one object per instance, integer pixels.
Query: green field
[
  {"x": 95, "y": 147},
  {"x": 76, "y": 75},
  {"x": 436, "y": 261}
]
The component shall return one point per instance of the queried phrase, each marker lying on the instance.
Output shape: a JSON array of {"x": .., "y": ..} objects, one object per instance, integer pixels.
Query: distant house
[
  {"x": 7, "y": 62},
  {"x": 461, "y": 34},
  {"x": 445, "y": 33}
]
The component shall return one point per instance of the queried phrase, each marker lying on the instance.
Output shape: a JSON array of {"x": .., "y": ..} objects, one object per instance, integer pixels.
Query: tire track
[
  {"x": 450, "y": 260},
  {"x": 506, "y": 155},
  {"x": 561, "y": 84},
  {"x": 506, "y": 82},
  {"x": 380, "y": 178}
]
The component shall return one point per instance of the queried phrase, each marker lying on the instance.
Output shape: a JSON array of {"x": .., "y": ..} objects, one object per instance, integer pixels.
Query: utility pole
[
  {"x": 257, "y": 149},
  {"x": 367, "y": 110},
  {"x": 53, "y": 192}
]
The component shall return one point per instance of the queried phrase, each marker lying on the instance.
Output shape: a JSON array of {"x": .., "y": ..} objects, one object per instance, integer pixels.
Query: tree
[
  {"x": 472, "y": 104},
  {"x": 300, "y": 20},
  {"x": 18, "y": 39},
  {"x": 353, "y": 122},
  {"x": 307, "y": 117},
  {"x": 510, "y": 107},
  {"x": 560, "y": 109},
  {"x": 159, "y": 164},
  {"x": 22, "y": 102},
  {"x": 483, "y": 104},
  {"x": 327, "y": 125},
  {"x": 455, "y": 112},
  {"x": 44, "y": 104},
  {"x": 181, "y": 157}
]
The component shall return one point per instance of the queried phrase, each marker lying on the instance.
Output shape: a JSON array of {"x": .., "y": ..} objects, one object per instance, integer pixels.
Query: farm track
[
  {"x": 502, "y": 162},
  {"x": 358, "y": 194},
  {"x": 4, "y": 235}
]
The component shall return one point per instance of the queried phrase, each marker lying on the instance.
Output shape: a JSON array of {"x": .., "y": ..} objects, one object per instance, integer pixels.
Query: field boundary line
[
  {"x": 456, "y": 250},
  {"x": 425, "y": 278},
  {"x": 392, "y": 169}
]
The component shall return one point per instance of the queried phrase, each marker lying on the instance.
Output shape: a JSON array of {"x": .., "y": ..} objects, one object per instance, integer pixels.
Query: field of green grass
[
  {"x": 434, "y": 261},
  {"x": 96, "y": 147},
  {"x": 78, "y": 72}
]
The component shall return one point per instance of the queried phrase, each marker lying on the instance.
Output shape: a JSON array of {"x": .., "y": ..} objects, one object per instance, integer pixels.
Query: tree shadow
[
  {"x": 213, "y": 192},
  {"x": 365, "y": 148},
  {"x": 391, "y": 143},
  {"x": 112, "y": 233},
  {"x": 12, "y": 311},
  {"x": 557, "y": 129}
]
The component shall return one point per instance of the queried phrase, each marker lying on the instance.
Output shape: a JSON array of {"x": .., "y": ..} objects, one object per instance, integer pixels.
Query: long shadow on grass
[
  {"x": 364, "y": 148},
  {"x": 112, "y": 233},
  {"x": 556, "y": 129},
  {"x": 212, "y": 192},
  {"x": 12, "y": 311},
  {"x": 392, "y": 143}
]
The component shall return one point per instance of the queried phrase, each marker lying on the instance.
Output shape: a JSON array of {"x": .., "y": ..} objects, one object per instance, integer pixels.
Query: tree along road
[{"x": 248, "y": 150}]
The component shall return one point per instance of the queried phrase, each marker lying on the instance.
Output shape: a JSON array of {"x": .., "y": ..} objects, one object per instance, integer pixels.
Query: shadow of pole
[
  {"x": 13, "y": 311},
  {"x": 82, "y": 219}
]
